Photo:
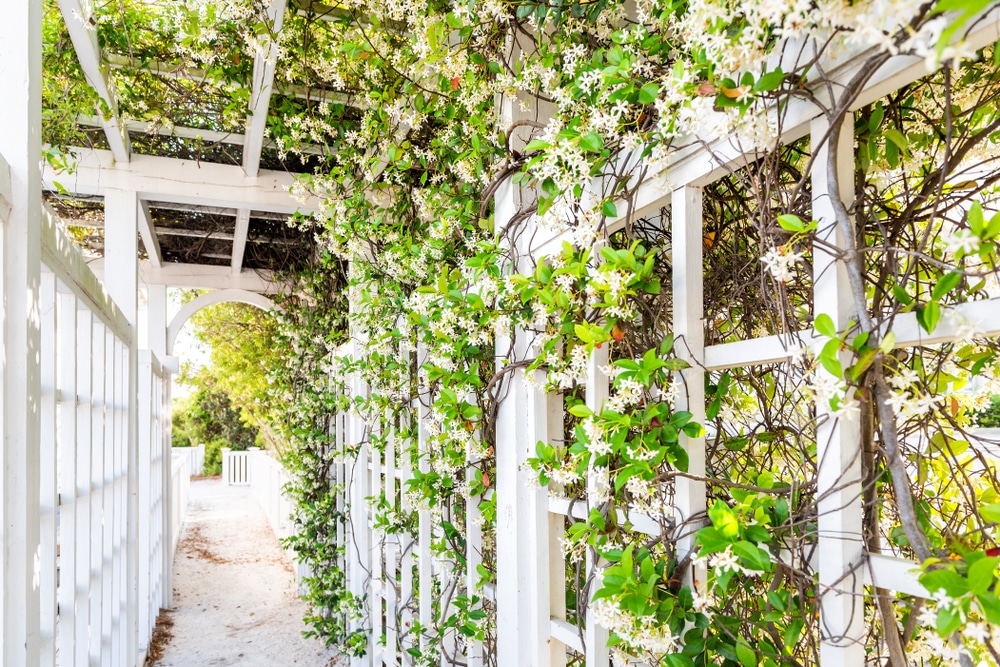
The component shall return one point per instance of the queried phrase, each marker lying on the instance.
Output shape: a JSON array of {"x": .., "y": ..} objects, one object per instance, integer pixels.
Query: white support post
[
  {"x": 595, "y": 637},
  {"x": 838, "y": 440},
  {"x": 107, "y": 374},
  {"x": 260, "y": 94},
  {"x": 425, "y": 576},
  {"x": 375, "y": 594},
  {"x": 122, "y": 211},
  {"x": 360, "y": 550},
  {"x": 689, "y": 333},
  {"x": 71, "y": 542},
  {"x": 406, "y": 559},
  {"x": 240, "y": 238},
  {"x": 49, "y": 488},
  {"x": 389, "y": 589},
  {"x": 556, "y": 533},
  {"x": 156, "y": 320},
  {"x": 20, "y": 255}
]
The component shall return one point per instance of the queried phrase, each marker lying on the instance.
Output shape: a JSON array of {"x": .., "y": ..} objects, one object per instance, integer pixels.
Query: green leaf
[
  {"x": 580, "y": 410},
  {"x": 981, "y": 574},
  {"x": 592, "y": 142},
  {"x": 824, "y": 325},
  {"x": 769, "y": 81},
  {"x": 947, "y": 283},
  {"x": 648, "y": 93},
  {"x": 724, "y": 519},
  {"x": 990, "y": 512},
  {"x": 609, "y": 209},
  {"x": 746, "y": 655},
  {"x": 928, "y": 316},
  {"x": 537, "y": 145},
  {"x": 792, "y": 223},
  {"x": 897, "y": 138}
]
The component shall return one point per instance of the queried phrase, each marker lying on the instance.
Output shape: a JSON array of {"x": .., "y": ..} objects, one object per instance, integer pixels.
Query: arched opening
[{"x": 210, "y": 299}]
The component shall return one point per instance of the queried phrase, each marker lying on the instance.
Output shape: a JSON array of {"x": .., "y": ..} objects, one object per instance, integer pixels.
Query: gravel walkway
[{"x": 234, "y": 592}]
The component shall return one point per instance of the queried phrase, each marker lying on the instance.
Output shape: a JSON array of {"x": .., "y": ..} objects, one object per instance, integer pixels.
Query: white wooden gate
[{"x": 235, "y": 467}]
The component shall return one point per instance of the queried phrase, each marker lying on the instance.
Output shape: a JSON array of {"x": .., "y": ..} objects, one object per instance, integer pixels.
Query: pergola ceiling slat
[
  {"x": 89, "y": 55},
  {"x": 240, "y": 239}
]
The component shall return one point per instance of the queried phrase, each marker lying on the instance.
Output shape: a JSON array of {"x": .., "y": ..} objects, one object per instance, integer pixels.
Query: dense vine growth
[{"x": 481, "y": 166}]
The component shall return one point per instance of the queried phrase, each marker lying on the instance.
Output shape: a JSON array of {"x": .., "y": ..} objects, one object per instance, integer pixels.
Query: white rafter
[
  {"x": 260, "y": 92},
  {"x": 164, "y": 179},
  {"x": 240, "y": 239},
  {"x": 82, "y": 30},
  {"x": 148, "y": 234}
]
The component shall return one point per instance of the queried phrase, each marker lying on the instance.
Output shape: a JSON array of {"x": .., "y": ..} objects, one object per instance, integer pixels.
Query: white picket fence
[
  {"x": 97, "y": 486},
  {"x": 197, "y": 456},
  {"x": 235, "y": 467},
  {"x": 268, "y": 479},
  {"x": 399, "y": 580}
]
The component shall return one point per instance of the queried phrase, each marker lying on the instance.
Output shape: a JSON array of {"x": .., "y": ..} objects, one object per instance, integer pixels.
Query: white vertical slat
[
  {"x": 376, "y": 581},
  {"x": 20, "y": 252},
  {"x": 71, "y": 543},
  {"x": 838, "y": 441},
  {"x": 541, "y": 407},
  {"x": 425, "y": 581},
  {"x": 391, "y": 548},
  {"x": 595, "y": 636},
  {"x": 108, "y": 498},
  {"x": 687, "y": 240},
  {"x": 85, "y": 506},
  {"x": 556, "y": 524},
  {"x": 167, "y": 557},
  {"x": 48, "y": 486},
  {"x": 98, "y": 504},
  {"x": 511, "y": 598},
  {"x": 144, "y": 463},
  {"x": 473, "y": 554},
  {"x": 406, "y": 559},
  {"x": 119, "y": 633}
]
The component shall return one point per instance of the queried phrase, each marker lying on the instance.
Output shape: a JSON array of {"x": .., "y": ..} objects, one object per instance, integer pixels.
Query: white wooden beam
[
  {"x": 240, "y": 239},
  {"x": 20, "y": 372},
  {"x": 81, "y": 23},
  {"x": 694, "y": 163},
  {"x": 180, "y": 181},
  {"x": 260, "y": 92},
  {"x": 148, "y": 234}
]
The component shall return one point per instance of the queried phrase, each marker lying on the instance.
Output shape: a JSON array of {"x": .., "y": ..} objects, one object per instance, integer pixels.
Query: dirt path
[{"x": 234, "y": 592}]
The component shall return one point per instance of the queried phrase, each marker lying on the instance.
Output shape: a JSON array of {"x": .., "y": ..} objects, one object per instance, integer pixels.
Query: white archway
[{"x": 210, "y": 299}]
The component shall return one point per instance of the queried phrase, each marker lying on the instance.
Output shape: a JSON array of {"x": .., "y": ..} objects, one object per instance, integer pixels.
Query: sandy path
[{"x": 234, "y": 592}]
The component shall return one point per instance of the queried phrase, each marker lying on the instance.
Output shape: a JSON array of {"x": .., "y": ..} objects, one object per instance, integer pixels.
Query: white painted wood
[
  {"x": 85, "y": 504},
  {"x": 20, "y": 76},
  {"x": 180, "y": 181},
  {"x": 210, "y": 299},
  {"x": 260, "y": 93},
  {"x": 595, "y": 636},
  {"x": 183, "y": 72},
  {"x": 240, "y": 239},
  {"x": 424, "y": 573},
  {"x": 376, "y": 595},
  {"x": 566, "y": 634},
  {"x": 389, "y": 585},
  {"x": 838, "y": 486},
  {"x": 5, "y": 190},
  {"x": 198, "y": 134},
  {"x": 97, "y": 448},
  {"x": 895, "y": 574},
  {"x": 149, "y": 238},
  {"x": 689, "y": 345},
  {"x": 70, "y": 541},
  {"x": 107, "y": 472},
  {"x": 61, "y": 256},
  {"x": 555, "y": 531},
  {"x": 82, "y": 26},
  {"x": 48, "y": 484}
]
